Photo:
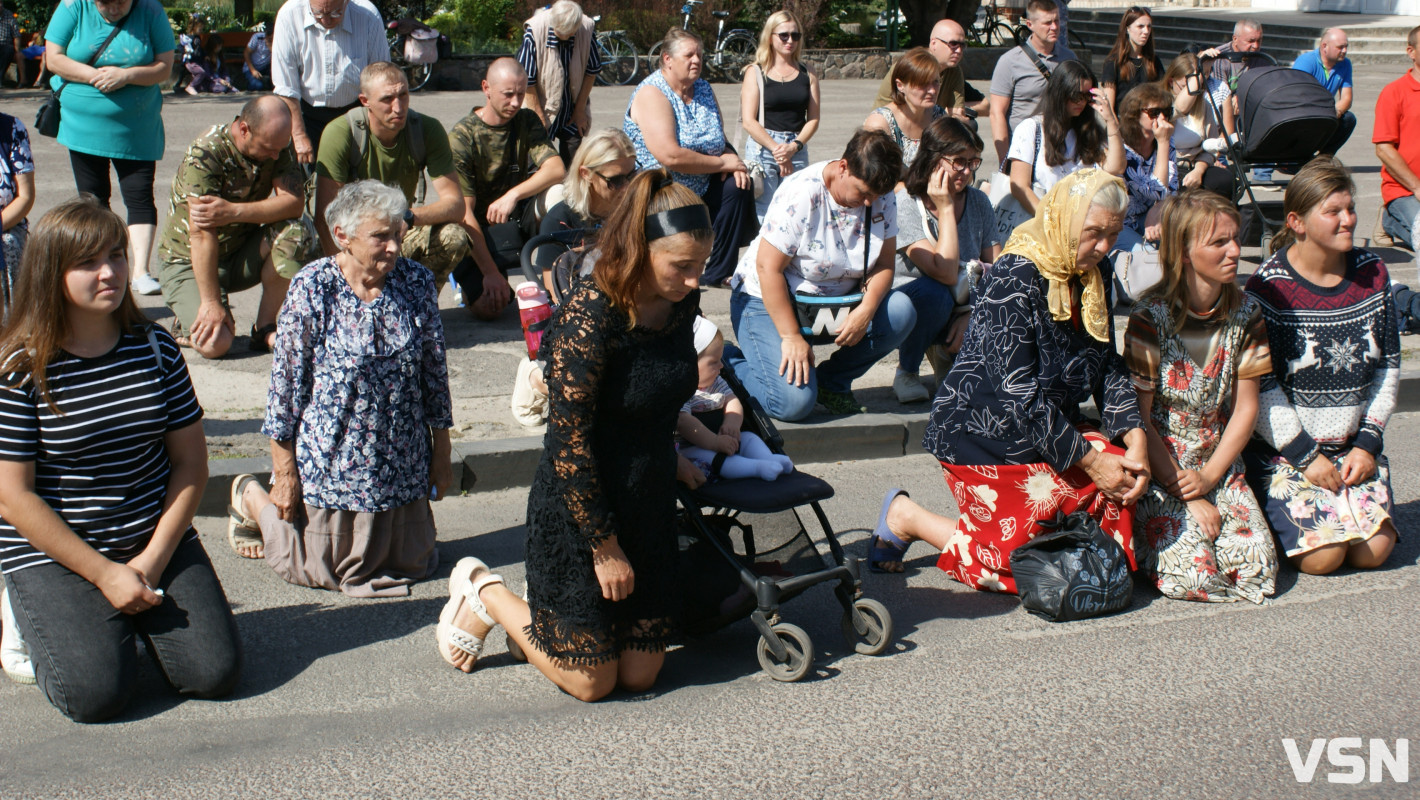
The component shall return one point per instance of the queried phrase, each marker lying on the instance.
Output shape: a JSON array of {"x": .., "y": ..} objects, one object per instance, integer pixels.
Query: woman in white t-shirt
[
  {"x": 1075, "y": 128},
  {"x": 831, "y": 231}
]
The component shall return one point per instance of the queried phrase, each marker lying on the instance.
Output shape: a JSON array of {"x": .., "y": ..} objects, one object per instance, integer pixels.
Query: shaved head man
[
  {"x": 1332, "y": 69},
  {"x": 947, "y": 45}
]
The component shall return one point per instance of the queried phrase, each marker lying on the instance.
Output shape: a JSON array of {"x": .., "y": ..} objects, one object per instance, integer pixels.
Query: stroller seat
[{"x": 755, "y": 496}]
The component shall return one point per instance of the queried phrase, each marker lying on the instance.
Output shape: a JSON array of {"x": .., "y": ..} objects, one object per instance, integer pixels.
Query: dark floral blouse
[
  {"x": 1013, "y": 395},
  {"x": 359, "y": 386}
]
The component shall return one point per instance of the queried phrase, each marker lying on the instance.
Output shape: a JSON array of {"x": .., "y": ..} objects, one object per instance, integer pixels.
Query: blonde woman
[
  {"x": 598, "y": 176},
  {"x": 779, "y": 104},
  {"x": 1195, "y": 121}
]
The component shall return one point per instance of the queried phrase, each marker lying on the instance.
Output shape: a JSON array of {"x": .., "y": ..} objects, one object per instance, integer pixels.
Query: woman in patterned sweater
[{"x": 1316, "y": 461}]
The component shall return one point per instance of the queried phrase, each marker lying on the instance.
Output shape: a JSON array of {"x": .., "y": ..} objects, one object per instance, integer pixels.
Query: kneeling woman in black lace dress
[{"x": 601, "y": 516}]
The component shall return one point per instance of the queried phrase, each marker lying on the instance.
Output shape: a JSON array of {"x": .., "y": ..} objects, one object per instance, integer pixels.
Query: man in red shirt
[{"x": 1398, "y": 110}]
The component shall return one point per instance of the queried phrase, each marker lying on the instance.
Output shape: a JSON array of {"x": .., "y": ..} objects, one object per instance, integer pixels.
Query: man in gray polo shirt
[{"x": 1017, "y": 83}]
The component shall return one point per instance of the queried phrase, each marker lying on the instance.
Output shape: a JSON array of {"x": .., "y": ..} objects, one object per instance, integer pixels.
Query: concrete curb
[{"x": 493, "y": 464}]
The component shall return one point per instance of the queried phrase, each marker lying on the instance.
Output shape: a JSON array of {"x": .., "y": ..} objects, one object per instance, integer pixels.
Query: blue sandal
[{"x": 884, "y": 544}]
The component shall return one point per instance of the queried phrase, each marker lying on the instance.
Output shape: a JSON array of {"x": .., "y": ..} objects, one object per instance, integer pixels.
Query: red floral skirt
[{"x": 1002, "y": 508}]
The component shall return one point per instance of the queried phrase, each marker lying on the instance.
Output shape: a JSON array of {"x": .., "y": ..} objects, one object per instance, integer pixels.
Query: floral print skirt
[
  {"x": 1305, "y": 516},
  {"x": 1185, "y": 565},
  {"x": 1002, "y": 508}
]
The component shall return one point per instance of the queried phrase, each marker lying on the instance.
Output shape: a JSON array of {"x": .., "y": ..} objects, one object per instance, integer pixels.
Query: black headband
[{"x": 677, "y": 220}]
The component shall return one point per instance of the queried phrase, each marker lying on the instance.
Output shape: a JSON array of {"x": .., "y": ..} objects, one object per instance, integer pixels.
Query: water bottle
[{"x": 533, "y": 309}]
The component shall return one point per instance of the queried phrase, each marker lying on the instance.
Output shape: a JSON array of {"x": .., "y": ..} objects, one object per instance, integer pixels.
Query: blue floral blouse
[
  {"x": 697, "y": 127},
  {"x": 359, "y": 386},
  {"x": 15, "y": 158},
  {"x": 1145, "y": 189},
  {"x": 1013, "y": 395}
]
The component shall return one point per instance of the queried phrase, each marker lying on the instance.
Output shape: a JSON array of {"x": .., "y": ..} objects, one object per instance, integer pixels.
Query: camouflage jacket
[
  {"x": 214, "y": 166},
  {"x": 490, "y": 161}
]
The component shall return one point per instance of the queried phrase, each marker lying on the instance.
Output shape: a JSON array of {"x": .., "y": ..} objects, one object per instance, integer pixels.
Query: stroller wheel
[
  {"x": 876, "y": 634},
  {"x": 799, "y": 654}
]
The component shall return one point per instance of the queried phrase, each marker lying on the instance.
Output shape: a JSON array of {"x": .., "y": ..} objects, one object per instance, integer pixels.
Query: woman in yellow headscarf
[{"x": 1005, "y": 423}]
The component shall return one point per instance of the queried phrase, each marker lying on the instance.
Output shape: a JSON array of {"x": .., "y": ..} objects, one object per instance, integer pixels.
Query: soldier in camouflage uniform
[
  {"x": 235, "y": 221},
  {"x": 504, "y": 161},
  {"x": 434, "y": 239}
]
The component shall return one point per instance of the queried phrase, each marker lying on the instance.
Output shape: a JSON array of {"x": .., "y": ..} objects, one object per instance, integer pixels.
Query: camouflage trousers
[
  {"x": 438, "y": 247},
  {"x": 292, "y": 244}
]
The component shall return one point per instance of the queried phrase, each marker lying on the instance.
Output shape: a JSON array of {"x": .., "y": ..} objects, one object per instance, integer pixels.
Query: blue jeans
[
  {"x": 1399, "y": 219},
  {"x": 933, "y": 302},
  {"x": 255, "y": 82},
  {"x": 765, "y": 158},
  {"x": 756, "y": 360},
  {"x": 84, "y": 651}
]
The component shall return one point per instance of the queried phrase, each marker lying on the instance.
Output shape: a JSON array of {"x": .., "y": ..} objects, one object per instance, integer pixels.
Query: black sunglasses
[
  {"x": 617, "y": 181},
  {"x": 791, "y": 36},
  {"x": 1155, "y": 113}
]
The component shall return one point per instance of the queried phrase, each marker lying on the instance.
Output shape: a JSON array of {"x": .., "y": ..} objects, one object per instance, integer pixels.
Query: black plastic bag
[{"x": 1073, "y": 570}]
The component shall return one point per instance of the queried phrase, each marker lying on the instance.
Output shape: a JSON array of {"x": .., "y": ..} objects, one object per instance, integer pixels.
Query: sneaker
[
  {"x": 146, "y": 284},
  {"x": 14, "y": 655},
  {"x": 1379, "y": 238},
  {"x": 840, "y": 402},
  {"x": 908, "y": 388}
]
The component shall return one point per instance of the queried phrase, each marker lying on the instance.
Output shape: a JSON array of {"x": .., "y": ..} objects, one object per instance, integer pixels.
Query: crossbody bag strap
[
  {"x": 117, "y": 26},
  {"x": 1034, "y": 57}
]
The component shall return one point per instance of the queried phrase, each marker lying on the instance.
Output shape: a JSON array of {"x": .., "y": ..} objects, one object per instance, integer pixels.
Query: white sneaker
[
  {"x": 909, "y": 388},
  {"x": 14, "y": 656},
  {"x": 146, "y": 284}
]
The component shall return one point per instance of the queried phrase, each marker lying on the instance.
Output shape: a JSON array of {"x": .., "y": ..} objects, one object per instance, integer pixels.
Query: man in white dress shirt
[{"x": 318, "y": 49}]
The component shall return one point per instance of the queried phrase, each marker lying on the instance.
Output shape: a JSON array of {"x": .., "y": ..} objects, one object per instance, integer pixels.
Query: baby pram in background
[{"x": 1284, "y": 118}]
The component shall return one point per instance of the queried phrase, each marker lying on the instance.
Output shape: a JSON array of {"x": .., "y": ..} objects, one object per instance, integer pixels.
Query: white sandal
[{"x": 469, "y": 577}]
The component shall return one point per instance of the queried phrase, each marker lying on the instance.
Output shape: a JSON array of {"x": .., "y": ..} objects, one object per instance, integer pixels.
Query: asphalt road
[{"x": 346, "y": 698}]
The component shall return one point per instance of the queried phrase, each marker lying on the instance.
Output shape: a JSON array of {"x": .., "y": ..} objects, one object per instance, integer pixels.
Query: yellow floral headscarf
[{"x": 1050, "y": 239}]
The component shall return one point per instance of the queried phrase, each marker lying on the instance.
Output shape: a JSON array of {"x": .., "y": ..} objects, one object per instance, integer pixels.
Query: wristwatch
[
  {"x": 409, "y": 216},
  {"x": 795, "y": 141}
]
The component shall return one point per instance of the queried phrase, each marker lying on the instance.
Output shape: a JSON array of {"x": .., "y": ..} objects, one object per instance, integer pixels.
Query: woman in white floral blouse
[{"x": 358, "y": 414}]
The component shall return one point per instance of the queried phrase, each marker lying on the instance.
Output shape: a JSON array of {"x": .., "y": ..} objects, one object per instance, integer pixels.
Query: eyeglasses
[
  {"x": 332, "y": 15},
  {"x": 789, "y": 36},
  {"x": 1155, "y": 113},
  {"x": 955, "y": 44},
  {"x": 617, "y": 181},
  {"x": 962, "y": 164}
]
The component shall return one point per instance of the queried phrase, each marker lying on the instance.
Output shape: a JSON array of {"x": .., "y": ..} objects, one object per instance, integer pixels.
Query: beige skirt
[{"x": 361, "y": 554}]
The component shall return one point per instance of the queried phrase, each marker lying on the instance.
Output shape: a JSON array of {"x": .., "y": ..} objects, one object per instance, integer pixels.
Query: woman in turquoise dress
[{"x": 112, "y": 108}]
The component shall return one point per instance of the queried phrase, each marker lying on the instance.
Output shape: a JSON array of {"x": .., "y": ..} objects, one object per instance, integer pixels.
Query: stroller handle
[{"x": 567, "y": 239}]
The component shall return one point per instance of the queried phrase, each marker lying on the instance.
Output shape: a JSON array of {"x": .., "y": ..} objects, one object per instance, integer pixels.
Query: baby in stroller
[{"x": 709, "y": 425}]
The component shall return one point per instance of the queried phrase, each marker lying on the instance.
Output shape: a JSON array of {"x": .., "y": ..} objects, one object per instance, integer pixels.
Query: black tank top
[{"x": 786, "y": 103}]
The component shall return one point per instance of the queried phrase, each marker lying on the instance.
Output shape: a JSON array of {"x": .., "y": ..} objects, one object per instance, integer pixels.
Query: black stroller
[
  {"x": 734, "y": 568},
  {"x": 1284, "y": 118}
]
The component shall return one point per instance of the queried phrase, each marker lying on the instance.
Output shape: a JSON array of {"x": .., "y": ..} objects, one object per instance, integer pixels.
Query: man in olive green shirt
[
  {"x": 948, "y": 45},
  {"x": 434, "y": 238},
  {"x": 503, "y": 159},
  {"x": 234, "y": 221}
]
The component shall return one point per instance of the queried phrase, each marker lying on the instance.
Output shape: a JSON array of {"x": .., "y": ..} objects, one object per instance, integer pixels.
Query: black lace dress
[{"x": 608, "y": 468}]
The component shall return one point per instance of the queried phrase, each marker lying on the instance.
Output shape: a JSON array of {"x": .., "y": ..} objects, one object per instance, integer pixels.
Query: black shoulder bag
[
  {"x": 47, "y": 120},
  {"x": 821, "y": 318}
]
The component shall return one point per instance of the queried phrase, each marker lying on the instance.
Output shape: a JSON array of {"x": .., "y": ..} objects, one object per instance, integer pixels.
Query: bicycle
[
  {"x": 401, "y": 30},
  {"x": 734, "y": 49},
  {"x": 988, "y": 30},
  {"x": 620, "y": 61}
]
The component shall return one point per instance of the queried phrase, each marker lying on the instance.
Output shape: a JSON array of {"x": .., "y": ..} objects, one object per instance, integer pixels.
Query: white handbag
[{"x": 1009, "y": 211}]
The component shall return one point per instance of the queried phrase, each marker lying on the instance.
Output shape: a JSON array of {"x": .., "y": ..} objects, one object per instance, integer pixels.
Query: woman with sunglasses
[
  {"x": 942, "y": 222},
  {"x": 1075, "y": 128},
  {"x": 601, "y": 169},
  {"x": 1151, "y": 175},
  {"x": 779, "y": 105},
  {"x": 1196, "y": 120},
  {"x": 1131, "y": 62}
]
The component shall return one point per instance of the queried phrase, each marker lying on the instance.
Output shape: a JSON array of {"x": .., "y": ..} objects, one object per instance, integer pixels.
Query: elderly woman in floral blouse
[{"x": 358, "y": 414}]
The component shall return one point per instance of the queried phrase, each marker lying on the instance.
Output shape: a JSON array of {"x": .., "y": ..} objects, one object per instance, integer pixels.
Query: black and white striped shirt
[
  {"x": 102, "y": 463},
  {"x": 571, "y": 84}
]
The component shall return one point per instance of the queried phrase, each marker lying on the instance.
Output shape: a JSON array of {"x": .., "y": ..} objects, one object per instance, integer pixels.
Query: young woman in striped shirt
[{"x": 102, "y": 464}]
